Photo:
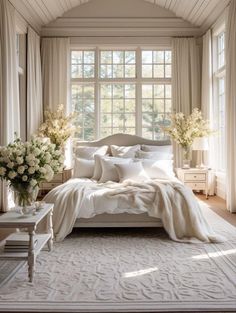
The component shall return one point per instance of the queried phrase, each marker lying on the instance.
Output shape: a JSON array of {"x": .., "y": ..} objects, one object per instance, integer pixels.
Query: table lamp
[{"x": 200, "y": 144}]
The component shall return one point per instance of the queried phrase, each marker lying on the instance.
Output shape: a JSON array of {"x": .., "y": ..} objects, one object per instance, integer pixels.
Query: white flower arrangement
[
  {"x": 25, "y": 164},
  {"x": 57, "y": 126},
  {"x": 184, "y": 129}
]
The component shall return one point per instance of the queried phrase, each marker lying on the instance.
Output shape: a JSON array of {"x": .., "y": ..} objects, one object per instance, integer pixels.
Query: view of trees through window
[{"x": 121, "y": 91}]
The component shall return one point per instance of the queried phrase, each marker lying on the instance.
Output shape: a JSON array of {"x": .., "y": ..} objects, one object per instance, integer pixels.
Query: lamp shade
[{"x": 200, "y": 143}]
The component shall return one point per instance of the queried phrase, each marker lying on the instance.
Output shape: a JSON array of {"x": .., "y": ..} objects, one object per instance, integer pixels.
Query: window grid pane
[
  {"x": 82, "y": 99},
  {"x": 221, "y": 50},
  {"x": 117, "y": 108},
  {"x": 156, "y": 64},
  {"x": 83, "y": 64},
  {"x": 117, "y": 64},
  {"x": 221, "y": 123},
  {"x": 156, "y": 105}
]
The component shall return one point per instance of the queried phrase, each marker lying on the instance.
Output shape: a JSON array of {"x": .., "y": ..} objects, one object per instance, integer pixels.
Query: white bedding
[{"x": 169, "y": 200}]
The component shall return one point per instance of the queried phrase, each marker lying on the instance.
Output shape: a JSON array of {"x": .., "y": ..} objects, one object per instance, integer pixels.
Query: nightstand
[
  {"x": 195, "y": 178},
  {"x": 57, "y": 180},
  {"x": 13, "y": 219}
]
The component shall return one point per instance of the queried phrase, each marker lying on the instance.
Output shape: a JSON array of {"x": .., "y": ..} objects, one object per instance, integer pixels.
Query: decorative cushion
[
  {"x": 161, "y": 169},
  {"x": 83, "y": 168},
  {"x": 165, "y": 149},
  {"x": 109, "y": 171},
  {"x": 153, "y": 155},
  {"x": 133, "y": 171},
  {"x": 124, "y": 151},
  {"x": 88, "y": 153}
]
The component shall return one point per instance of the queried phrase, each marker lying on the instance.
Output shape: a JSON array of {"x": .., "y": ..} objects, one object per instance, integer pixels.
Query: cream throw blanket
[{"x": 171, "y": 201}]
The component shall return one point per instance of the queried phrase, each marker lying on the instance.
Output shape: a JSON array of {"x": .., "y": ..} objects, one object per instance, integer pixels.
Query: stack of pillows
[{"x": 139, "y": 163}]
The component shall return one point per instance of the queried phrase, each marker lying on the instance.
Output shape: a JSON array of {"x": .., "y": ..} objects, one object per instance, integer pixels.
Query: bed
[
  {"x": 123, "y": 219},
  {"x": 128, "y": 193}
]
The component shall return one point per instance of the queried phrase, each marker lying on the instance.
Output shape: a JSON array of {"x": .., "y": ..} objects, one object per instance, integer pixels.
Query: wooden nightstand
[
  {"x": 195, "y": 178},
  {"x": 57, "y": 180}
]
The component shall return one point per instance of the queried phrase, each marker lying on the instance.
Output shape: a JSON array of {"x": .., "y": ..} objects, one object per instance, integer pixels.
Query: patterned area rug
[{"x": 121, "y": 270}]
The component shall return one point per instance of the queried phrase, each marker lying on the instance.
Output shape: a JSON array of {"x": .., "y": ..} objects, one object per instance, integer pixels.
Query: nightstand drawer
[
  {"x": 194, "y": 177},
  {"x": 58, "y": 178},
  {"x": 49, "y": 186},
  {"x": 196, "y": 186}
]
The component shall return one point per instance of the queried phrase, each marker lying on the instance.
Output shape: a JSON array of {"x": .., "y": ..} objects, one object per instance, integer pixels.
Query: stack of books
[{"x": 18, "y": 242}]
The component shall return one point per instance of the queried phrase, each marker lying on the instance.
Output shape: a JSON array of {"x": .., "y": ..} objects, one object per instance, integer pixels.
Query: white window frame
[
  {"x": 217, "y": 74},
  {"x": 138, "y": 80}
]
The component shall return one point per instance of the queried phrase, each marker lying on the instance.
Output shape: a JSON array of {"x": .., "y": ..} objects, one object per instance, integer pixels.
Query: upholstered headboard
[{"x": 122, "y": 140}]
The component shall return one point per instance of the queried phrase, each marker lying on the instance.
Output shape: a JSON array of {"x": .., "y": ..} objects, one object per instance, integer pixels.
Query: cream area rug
[{"x": 136, "y": 270}]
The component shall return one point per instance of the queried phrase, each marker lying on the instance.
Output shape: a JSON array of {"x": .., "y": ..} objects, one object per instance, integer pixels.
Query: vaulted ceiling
[{"x": 201, "y": 13}]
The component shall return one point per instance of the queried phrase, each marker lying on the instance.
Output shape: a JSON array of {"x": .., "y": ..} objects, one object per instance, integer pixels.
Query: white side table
[
  {"x": 195, "y": 178},
  {"x": 13, "y": 219}
]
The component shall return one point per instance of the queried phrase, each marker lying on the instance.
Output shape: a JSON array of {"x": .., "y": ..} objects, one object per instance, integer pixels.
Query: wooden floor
[{"x": 218, "y": 205}]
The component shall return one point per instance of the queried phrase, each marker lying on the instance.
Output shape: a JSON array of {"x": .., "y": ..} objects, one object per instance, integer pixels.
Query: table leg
[
  {"x": 31, "y": 254},
  {"x": 50, "y": 230}
]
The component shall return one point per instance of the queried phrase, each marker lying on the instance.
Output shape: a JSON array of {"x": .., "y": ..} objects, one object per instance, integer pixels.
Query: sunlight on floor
[
  {"x": 214, "y": 254},
  {"x": 140, "y": 272}
]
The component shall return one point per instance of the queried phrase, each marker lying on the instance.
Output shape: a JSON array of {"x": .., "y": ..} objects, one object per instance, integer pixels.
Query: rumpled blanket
[{"x": 171, "y": 201}]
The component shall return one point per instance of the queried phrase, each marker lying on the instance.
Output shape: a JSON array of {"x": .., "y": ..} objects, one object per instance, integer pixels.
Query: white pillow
[
  {"x": 88, "y": 153},
  {"x": 83, "y": 168},
  {"x": 134, "y": 171},
  {"x": 153, "y": 155},
  {"x": 109, "y": 171},
  {"x": 165, "y": 149},
  {"x": 124, "y": 151},
  {"x": 161, "y": 169}
]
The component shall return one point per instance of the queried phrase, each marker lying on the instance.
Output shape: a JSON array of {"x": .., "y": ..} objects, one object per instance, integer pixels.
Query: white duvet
[{"x": 171, "y": 201}]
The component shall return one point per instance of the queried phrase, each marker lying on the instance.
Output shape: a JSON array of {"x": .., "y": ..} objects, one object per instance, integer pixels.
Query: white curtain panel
[
  {"x": 231, "y": 107},
  {"x": 34, "y": 83},
  {"x": 185, "y": 81},
  {"x": 9, "y": 88},
  {"x": 207, "y": 105},
  {"x": 55, "y": 52}
]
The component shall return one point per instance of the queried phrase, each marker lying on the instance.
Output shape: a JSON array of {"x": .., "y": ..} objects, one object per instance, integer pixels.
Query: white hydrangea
[
  {"x": 21, "y": 169},
  {"x": 24, "y": 177},
  {"x": 2, "y": 171},
  {"x": 30, "y": 157},
  {"x": 12, "y": 174},
  {"x": 19, "y": 160},
  {"x": 33, "y": 182},
  {"x": 37, "y": 151},
  {"x": 10, "y": 164},
  {"x": 31, "y": 170}
]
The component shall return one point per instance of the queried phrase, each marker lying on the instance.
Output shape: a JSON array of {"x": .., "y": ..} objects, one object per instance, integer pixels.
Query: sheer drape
[
  {"x": 185, "y": 80},
  {"x": 34, "y": 83},
  {"x": 9, "y": 89},
  {"x": 55, "y": 74},
  {"x": 231, "y": 107},
  {"x": 55, "y": 53}
]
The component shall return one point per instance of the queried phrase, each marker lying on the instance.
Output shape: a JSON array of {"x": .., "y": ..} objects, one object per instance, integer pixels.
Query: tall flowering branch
[
  {"x": 184, "y": 129},
  {"x": 57, "y": 126}
]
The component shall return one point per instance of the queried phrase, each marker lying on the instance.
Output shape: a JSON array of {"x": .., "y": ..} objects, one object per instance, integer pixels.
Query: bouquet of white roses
[{"x": 25, "y": 164}]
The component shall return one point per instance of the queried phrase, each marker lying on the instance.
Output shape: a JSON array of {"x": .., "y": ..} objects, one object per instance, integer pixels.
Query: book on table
[{"x": 18, "y": 242}]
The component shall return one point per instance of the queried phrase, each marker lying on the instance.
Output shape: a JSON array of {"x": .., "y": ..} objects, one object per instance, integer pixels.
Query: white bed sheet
[{"x": 94, "y": 202}]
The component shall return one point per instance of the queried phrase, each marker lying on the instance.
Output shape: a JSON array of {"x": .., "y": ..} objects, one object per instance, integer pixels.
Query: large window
[
  {"x": 121, "y": 91},
  {"x": 219, "y": 99}
]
